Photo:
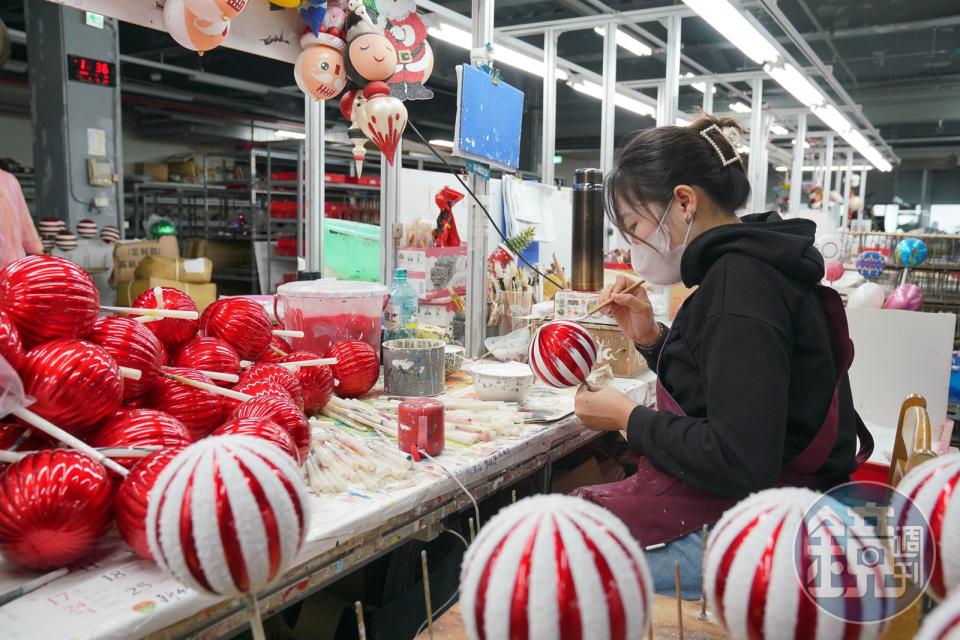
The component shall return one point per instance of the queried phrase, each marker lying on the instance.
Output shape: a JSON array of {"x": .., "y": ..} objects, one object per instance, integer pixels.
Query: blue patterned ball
[
  {"x": 911, "y": 252},
  {"x": 871, "y": 264}
]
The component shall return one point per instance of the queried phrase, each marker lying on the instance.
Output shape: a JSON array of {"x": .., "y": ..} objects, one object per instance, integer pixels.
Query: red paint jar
[{"x": 421, "y": 425}]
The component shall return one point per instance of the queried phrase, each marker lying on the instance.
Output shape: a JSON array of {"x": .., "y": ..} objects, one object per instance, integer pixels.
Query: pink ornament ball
[
  {"x": 834, "y": 270},
  {"x": 555, "y": 567},
  {"x": 562, "y": 354},
  {"x": 906, "y": 297}
]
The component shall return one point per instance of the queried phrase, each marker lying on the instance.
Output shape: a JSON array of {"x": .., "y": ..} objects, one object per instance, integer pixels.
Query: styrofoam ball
[
  {"x": 190, "y": 31},
  {"x": 751, "y": 570},
  {"x": 555, "y": 566},
  {"x": 943, "y": 623},
  {"x": 869, "y": 295},
  {"x": 934, "y": 489},
  {"x": 228, "y": 515}
]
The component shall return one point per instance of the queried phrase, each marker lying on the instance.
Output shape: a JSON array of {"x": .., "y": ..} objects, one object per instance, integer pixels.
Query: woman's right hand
[{"x": 632, "y": 311}]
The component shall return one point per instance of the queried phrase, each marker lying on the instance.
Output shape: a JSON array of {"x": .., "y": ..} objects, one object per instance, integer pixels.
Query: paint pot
[
  {"x": 502, "y": 381},
  {"x": 413, "y": 367},
  {"x": 454, "y": 358},
  {"x": 421, "y": 426}
]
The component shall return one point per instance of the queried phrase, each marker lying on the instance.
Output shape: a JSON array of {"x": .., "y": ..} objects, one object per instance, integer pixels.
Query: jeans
[{"x": 688, "y": 551}]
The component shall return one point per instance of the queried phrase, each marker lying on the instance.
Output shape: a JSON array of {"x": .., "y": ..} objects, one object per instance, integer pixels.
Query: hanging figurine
[
  {"x": 359, "y": 9},
  {"x": 350, "y": 104},
  {"x": 406, "y": 31},
  {"x": 370, "y": 56},
  {"x": 320, "y": 70},
  {"x": 192, "y": 32},
  {"x": 216, "y": 10},
  {"x": 313, "y": 13},
  {"x": 382, "y": 118}
]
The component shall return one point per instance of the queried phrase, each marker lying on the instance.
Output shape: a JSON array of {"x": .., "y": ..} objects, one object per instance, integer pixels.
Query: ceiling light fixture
[
  {"x": 793, "y": 81},
  {"x": 445, "y": 144},
  {"x": 739, "y": 107},
  {"x": 731, "y": 24},
  {"x": 289, "y": 135},
  {"x": 778, "y": 130},
  {"x": 501, "y": 53},
  {"x": 623, "y": 101},
  {"x": 699, "y": 86},
  {"x": 628, "y": 42}
]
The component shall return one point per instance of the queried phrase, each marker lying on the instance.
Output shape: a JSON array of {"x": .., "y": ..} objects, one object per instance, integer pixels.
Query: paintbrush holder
[{"x": 414, "y": 367}]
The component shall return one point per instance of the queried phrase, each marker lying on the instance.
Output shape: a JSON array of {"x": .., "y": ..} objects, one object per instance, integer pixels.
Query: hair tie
[{"x": 707, "y": 135}]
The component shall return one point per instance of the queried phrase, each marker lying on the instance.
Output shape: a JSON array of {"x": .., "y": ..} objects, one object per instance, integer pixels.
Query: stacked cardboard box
[{"x": 145, "y": 264}]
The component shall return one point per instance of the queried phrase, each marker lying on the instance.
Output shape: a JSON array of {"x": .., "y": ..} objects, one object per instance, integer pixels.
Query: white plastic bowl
[{"x": 503, "y": 381}]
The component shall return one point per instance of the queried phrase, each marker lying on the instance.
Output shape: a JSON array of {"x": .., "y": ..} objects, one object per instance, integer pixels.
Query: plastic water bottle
[{"x": 400, "y": 317}]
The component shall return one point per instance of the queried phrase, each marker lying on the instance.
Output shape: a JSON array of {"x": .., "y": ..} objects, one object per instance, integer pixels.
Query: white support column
[
  {"x": 390, "y": 232},
  {"x": 549, "y": 105},
  {"x": 846, "y": 185},
  {"x": 828, "y": 184},
  {"x": 482, "y": 33},
  {"x": 315, "y": 122},
  {"x": 758, "y": 141},
  {"x": 863, "y": 194},
  {"x": 609, "y": 114},
  {"x": 671, "y": 85},
  {"x": 708, "y": 96},
  {"x": 796, "y": 176}
]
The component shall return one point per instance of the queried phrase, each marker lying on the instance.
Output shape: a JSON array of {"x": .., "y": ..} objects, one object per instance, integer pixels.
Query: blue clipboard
[{"x": 489, "y": 119}]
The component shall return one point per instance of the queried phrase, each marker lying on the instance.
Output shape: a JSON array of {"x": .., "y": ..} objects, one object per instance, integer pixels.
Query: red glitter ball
[
  {"x": 242, "y": 323},
  {"x": 132, "y": 345},
  {"x": 278, "y": 375},
  {"x": 172, "y": 332},
  {"x": 357, "y": 368},
  {"x": 48, "y": 298},
  {"x": 75, "y": 383},
  {"x": 11, "y": 346},
  {"x": 208, "y": 354},
  {"x": 131, "y": 500},
  {"x": 54, "y": 508},
  {"x": 200, "y": 411},
  {"x": 317, "y": 382},
  {"x": 140, "y": 428},
  {"x": 285, "y": 414},
  {"x": 260, "y": 428}
]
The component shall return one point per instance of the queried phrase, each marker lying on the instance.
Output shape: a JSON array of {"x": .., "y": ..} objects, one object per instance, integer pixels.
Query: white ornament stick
[
  {"x": 155, "y": 313},
  {"x": 287, "y": 333},
  {"x": 68, "y": 439},
  {"x": 212, "y": 388}
]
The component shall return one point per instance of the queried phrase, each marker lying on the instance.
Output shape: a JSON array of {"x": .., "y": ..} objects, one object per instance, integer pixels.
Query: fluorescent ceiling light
[
  {"x": 727, "y": 19},
  {"x": 739, "y": 107},
  {"x": 832, "y": 117},
  {"x": 447, "y": 144},
  {"x": 811, "y": 168},
  {"x": 628, "y": 42},
  {"x": 502, "y": 53},
  {"x": 699, "y": 86},
  {"x": 778, "y": 130},
  {"x": 781, "y": 169},
  {"x": 289, "y": 135},
  {"x": 623, "y": 101},
  {"x": 793, "y": 81},
  {"x": 806, "y": 145}
]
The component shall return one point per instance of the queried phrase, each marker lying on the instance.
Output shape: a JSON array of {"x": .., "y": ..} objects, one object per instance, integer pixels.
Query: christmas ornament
[
  {"x": 906, "y": 297},
  {"x": 276, "y": 352},
  {"x": 320, "y": 70},
  {"x": 190, "y": 30},
  {"x": 562, "y": 354},
  {"x": 50, "y": 227},
  {"x": 11, "y": 346},
  {"x": 87, "y": 228},
  {"x": 316, "y": 382},
  {"x": 555, "y": 567},
  {"x": 131, "y": 501},
  {"x": 869, "y": 295},
  {"x": 943, "y": 623},
  {"x": 357, "y": 368},
  {"x": 370, "y": 56},
  {"x": 110, "y": 234},
  {"x": 131, "y": 428},
  {"x": 256, "y": 388},
  {"x": 278, "y": 375},
  {"x": 911, "y": 252},
  {"x": 200, "y": 411},
  {"x": 871, "y": 264},
  {"x": 751, "y": 569},
  {"x": 172, "y": 332},
  {"x": 132, "y": 345},
  {"x": 75, "y": 384},
  {"x": 408, "y": 35},
  {"x": 314, "y": 12},
  {"x": 65, "y": 241},
  {"x": 208, "y": 354},
  {"x": 934, "y": 489},
  {"x": 54, "y": 508},
  {"x": 283, "y": 413},
  {"x": 215, "y": 10},
  {"x": 260, "y": 428},
  {"x": 834, "y": 270},
  {"x": 382, "y": 118},
  {"x": 48, "y": 298},
  {"x": 241, "y": 323},
  {"x": 350, "y": 103}
]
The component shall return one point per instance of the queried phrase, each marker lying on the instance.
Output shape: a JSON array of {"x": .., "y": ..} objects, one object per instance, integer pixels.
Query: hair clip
[{"x": 726, "y": 162}]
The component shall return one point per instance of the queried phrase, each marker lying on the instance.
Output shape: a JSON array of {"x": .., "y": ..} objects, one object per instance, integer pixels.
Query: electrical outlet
[{"x": 398, "y": 231}]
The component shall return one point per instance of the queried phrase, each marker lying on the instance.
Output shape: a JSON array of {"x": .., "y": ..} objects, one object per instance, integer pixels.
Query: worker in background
[
  {"x": 752, "y": 386},
  {"x": 18, "y": 236}
]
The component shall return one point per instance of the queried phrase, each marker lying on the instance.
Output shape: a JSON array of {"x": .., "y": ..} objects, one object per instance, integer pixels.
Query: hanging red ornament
[
  {"x": 75, "y": 384},
  {"x": 255, "y": 388},
  {"x": 132, "y": 345},
  {"x": 283, "y": 413},
  {"x": 140, "y": 428},
  {"x": 278, "y": 375},
  {"x": 48, "y": 298},
  {"x": 261, "y": 428},
  {"x": 54, "y": 508},
  {"x": 350, "y": 104},
  {"x": 241, "y": 323},
  {"x": 357, "y": 368},
  {"x": 382, "y": 118},
  {"x": 317, "y": 382},
  {"x": 131, "y": 500},
  {"x": 11, "y": 346},
  {"x": 172, "y": 332},
  {"x": 200, "y": 411},
  {"x": 208, "y": 354}
]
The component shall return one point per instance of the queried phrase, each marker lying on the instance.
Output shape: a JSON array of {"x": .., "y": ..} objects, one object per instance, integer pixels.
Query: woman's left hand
[{"x": 605, "y": 409}]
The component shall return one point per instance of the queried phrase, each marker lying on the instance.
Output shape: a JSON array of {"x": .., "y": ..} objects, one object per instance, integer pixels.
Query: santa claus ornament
[
  {"x": 357, "y": 368},
  {"x": 320, "y": 70},
  {"x": 131, "y": 501},
  {"x": 382, "y": 118},
  {"x": 562, "y": 354},
  {"x": 192, "y": 31},
  {"x": 408, "y": 35},
  {"x": 553, "y": 567}
]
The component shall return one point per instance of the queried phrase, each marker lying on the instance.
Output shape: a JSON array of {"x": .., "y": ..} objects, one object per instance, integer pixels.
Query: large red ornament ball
[
  {"x": 240, "y": 322},
  {"x": 75, "y": 383},
  {"x": 555, "y": 567},
  {"x": 132, "y": 345},
  {"x": 208, "y": 354},
  {"x": 244, "y": 499},
  {"x": 172, "y": 332},
  {"x": 282, "y": 412},
  {"x": 131, "y": 501},
  {"x": 140, "y": 428},
  {"x": 943, "y": 623},
  {"x": 54, "y": 507},
  {"x": 200, "y": 411},
  {"x": 260, "y": 428},
  {"x": 357, "y": 368},
  {"x": 562, "y": 354},
  {"x": 11, "y": 345},
  {"x": 317, "y": 382},
  {"x": 256, "y": 388},
  {"x": 934, "y": 490},
  {"x": 277, "y": 344},
  {"x": 48, "y": 298},
  {"x": 278, "y": 375}
]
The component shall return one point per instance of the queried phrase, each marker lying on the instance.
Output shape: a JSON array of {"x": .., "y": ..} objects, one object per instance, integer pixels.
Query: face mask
[{"x": 655, "y": 261}]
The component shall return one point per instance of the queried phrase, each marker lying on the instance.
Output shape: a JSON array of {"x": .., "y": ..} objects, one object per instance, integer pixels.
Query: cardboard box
[
  {"x": 192, "y": 270},
  {"x": 203, "y": 294},
  {"x": 184, "y": 170},
  {"x": 127, "y": 255},
  {"x": 615, "y": 347},
  {"x": 433, "y": 270},
  {"x": 224, "y": 254},
  {"x": 153, "y": 171}
]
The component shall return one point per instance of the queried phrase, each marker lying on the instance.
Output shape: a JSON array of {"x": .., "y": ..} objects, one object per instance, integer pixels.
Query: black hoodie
[{"x": 749, "y": 361}]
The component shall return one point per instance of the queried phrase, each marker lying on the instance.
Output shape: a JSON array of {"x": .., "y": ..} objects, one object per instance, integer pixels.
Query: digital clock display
[{"x": 92, "y": 71}]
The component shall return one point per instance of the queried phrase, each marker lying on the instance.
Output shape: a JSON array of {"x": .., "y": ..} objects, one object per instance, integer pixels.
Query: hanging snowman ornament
[
  {"x": 408, "y": 35},
  {"x": 320, "y": 70},
  {"x": 370, "y": 56},
  {"x": 190, "y": 30}
]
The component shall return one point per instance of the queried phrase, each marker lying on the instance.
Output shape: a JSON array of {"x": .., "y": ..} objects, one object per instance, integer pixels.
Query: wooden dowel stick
[
  {"x": 426, "y": 592},
  {"x": 703, "y": 586},
  {"x": 212, "y": 388},
  {"x": 287, "y": 333},
  {"x": 677, "y": 591},
  {"x": 361, "y": 627},
  {"x": 57, "y": 433},
  {"x": 601, "y": 307},
  {"x": 156, "y": 313}
]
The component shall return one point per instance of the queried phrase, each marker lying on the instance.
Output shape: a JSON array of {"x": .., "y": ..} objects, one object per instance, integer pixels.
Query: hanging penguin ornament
[
  {"x": 370, "y": 56},
  {"x": 350, "y": 104},
  {"x": 320, "y": 71}
]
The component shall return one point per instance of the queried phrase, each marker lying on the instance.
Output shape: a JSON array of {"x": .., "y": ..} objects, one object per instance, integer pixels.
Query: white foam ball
[
  {"x": 869, "y": 295},
  {"x": 943, "y": 623},
  {"x": 549, "y": 563}
]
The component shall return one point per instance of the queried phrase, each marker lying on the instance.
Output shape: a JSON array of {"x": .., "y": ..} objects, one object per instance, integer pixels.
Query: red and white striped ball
[
  {"x": 110, "y": 234},
  {"x": 65, "y": 241},
  {"x": 934, "y": 489},
  {"x": 132, "y": 345},
  {"x": 943, "y": 623},
  {"x": 562, "y": 354},
  {"x": 50, "y": 227},
  {"x": 208, "y": 354},
  {"x": 553, "y": 567},
  {"x": 751, "y": 573},
  {"x": 87, "y": 228},
  {"x": 172, "y": 332},
  {"x": 242, "y": 323},
  {"x": 228, "y": 515}
]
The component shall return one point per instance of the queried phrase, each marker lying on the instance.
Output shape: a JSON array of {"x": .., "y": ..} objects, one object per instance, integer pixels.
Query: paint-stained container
[
  {"x": 421, "y": 425},
  {"x": 413, "y": 367}
]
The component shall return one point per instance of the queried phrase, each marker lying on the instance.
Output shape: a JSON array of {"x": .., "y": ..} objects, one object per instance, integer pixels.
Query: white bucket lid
[{"x": 331, "y": 288}]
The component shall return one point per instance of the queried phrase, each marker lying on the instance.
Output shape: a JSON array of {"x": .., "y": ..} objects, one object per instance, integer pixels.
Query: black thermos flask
[{"x": 588, "y": 226}]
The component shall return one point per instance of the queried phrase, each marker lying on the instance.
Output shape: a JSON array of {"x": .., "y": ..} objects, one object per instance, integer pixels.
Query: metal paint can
[
  {"x": 421, "y": 425},
  {"x": 414, "y": 367}
]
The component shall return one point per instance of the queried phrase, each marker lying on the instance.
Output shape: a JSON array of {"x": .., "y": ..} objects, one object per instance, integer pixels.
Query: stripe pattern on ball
[
  {"x": 228, "y": 515},
  {"x": 562, "y": 354},
  {"x": 943, "y": 623},
  {"x": 553, "y": 567}
]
